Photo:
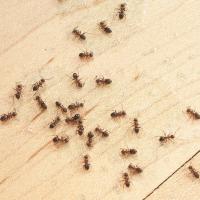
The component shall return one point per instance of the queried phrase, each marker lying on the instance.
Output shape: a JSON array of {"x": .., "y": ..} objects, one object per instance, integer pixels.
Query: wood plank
[{"x": 153, "y": 60}]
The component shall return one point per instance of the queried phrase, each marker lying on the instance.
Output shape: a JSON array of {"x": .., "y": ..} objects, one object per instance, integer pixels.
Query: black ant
[
  {"x": 126, "y": 179},
  {"x": 121, "y": 11},
  {"x": 80, "y": 128},
  {"x": 60, "y": 140},
  {"x": 101, "y": 131},
  {"x": 59, "y": 105},
  {"x": 38, "y": 84},
  {"x": 127, "y": 152},
  {"x": 86, "y": 55},
  {"x": 75, "y": 106},
  {"x": 18, "y": 90},
  {"x": 193, "y": 114},
  {"x": 104, "y": 27},
  {"x": 77, "y": 81},
  {"x": 103, "y": 81},
  {"x": 76, "y": 119},
  {"x": 134, "y": 169},
  {"x": 90, "y": 136},
  {"x": 8, "y": 116},
  {"x": 135, "y": 125},
  {"x": 41, "y": 102},
  {"x": 54, "y": 122},
  {"x": 79, "y": 34},
  {"x": 193, "y": 171},
  {"x": 86, "y": 162},
  {"x": 116, "y": 114}
]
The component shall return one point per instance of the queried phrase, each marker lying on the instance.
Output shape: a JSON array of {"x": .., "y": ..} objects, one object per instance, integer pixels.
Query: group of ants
[{"x": 76, "y": 119}]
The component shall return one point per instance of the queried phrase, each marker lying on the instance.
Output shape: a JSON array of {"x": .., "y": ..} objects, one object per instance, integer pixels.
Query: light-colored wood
[
  {"x": 153, "y": 59},
  {"x": 182, "y": 185}
]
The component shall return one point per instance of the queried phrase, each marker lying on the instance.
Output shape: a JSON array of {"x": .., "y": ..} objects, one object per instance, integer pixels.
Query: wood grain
[{"x": 153, "y": 60}]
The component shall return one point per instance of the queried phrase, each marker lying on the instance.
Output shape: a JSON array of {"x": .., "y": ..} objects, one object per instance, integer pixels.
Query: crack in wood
[{"x": 171, "y": 175}]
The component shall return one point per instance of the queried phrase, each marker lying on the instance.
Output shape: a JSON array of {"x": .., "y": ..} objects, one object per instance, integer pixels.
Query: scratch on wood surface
[
  {"x": 2, "y": 181},
  {"x": 171, "y": 175},
  {"x": 34, "y": 118},
  {"x": 90, "y": 110},
  {"x": 38, "y": 151}
]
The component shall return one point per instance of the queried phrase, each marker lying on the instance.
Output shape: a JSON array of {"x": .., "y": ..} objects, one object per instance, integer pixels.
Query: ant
[
  {"x": 86, "y": 162},
  {"x": 116, "y": 114},
  {"x": 103, "y": 26},
  {"x": 80, "y": 128},
  {"x": 193, "y": 171},
  {"x": 103, "y": 132},
  {"x": 136, "y": 126},
  {"x": 165, "y": 138},
  {"x": 86, "y": 55},
  {"x": 90, "y": 136},
  {"x": 41, "y": 102},
  {"x": 79, "y": 34},
  {"x": 193, "y": 114},
  {"x": 18, "y": 90},
  {"x": 8, "y": 116},
  {"x": 126, "y": 179},
  {"x": 75, "y": 106},
  {"x": 77, "y": 81},
  {"x": 103, "y": 81},
  {"x": 134, "y": 169},
  {"x": 76, "y": 119},
  {"x": 121, "y": 11},
  {"x": 59, "y": 105},
  {"x": 127, "y": 152},
  {"x": 54, "y": 122},
  {"x": 60, "y": 140},
  {"x": 38, "y": 84}
]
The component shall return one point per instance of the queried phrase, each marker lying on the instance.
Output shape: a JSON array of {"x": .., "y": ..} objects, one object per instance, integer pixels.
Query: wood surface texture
[{"x": 153, "y": 59}]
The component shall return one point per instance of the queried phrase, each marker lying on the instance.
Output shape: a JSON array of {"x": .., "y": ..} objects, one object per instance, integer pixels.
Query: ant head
[
  {"x": 37, "y": 97},
  {"x": 57, "y": 103},
  {"x": 75, "y": 75},
  {"x": 42, "y": 80}
]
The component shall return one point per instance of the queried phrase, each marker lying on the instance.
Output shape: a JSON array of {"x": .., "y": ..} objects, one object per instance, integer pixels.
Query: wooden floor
[{"x": 153, "y": 59}]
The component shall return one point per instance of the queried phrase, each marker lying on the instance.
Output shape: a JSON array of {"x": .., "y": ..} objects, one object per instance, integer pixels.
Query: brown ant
[
  {"x": 101, "y": 131},
  {"x": 103, "y": 26},
  {"x": 18, "y": 90},
  {"x": 126, "y": 179},
  {"x": 165, "y": 138},
  {"x": 103, "y": 81},
  {"x": 127, "y": 152},
  {"x": 41, "y": 102},
  {"x": 8, "y": 116},
  {"x": 135, "y": 125},
  {"x": 54, "y": 122},
  {"x": 76, "y": 119},
  {"x": 86, "y": 162},
  {"x": 86, "y": 55},
  {"x": 134, "y": 169},
  {"x": 77, "y": 81},
  {"x": 193, "y": 114},
  {"x": 116, "y": 114},
  {"x": 38, "y": 84},
  {"x": 79, "y": 34},
  {"x": 193, "y": 171},
  {"x": 80, "y": 128},
  {"x": 75, "y": 106},
  {"x": 121, "y": 11},
  {"x": 59, "y": 105},
  {"x": 90, "y": 136},
  {"x": 60, "y": 140}
]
